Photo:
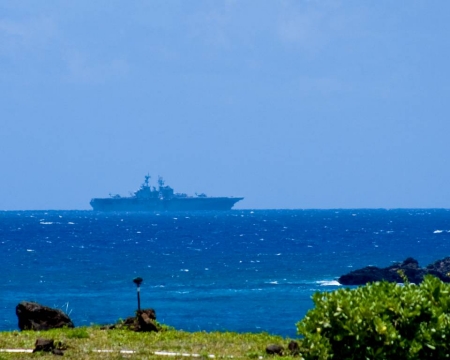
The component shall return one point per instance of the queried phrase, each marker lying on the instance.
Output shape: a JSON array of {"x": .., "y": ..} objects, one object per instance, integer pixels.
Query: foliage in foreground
[
  {"x": 379, "y": 321},
  {"x": 82, "y": 342}
]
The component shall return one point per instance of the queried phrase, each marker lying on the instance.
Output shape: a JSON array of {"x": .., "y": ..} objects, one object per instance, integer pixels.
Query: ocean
[{"x": 239, "y": 270}]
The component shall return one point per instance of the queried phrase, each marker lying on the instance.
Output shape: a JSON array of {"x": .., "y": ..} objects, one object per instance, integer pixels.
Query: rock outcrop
[
  {"x": 409, "y": 268},
  {"x": 33, "y": 316},
  {"x": 145, "y": 321},
  {"x": 49, "y": 345},
  {"x": 441, "y": 267},
  {"x": 275, "y": 349},
  {"x": 46, "y": 345},
  {"x": 294, "y": 348}
]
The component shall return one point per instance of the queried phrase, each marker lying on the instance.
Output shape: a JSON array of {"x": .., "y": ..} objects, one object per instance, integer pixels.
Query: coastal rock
[
  {"x": 441, "y": 269},
  {"x": 33, "y": 316},
  {"x": 365, "y": 275},
  {"x": 144, "y": 321},
  {"x": 274, "y": 349},
  {"x": 410, "y": 268},
  {"x": 46, "y": 345},
  {"x": 49, "y": 345},
  {"x": 294, "y": 348},
  {"x": 57, "y": 352},
  {"x": 108, "y": 327}
]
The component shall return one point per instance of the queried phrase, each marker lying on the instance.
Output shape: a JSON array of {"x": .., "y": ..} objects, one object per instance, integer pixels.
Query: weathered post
[{"x": 138, "y": 282}]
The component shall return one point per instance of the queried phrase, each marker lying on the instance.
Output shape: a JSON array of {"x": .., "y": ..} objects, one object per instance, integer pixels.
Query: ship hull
[{"x": 174, "y": 204}]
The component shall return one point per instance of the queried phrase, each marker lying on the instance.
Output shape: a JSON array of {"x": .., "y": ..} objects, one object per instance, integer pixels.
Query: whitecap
[
  {"x": 191, "y": 248},
  {"x": 329, "y": 283},
  {"x": 438, "y": 231},
  {"x": 46, "y": 222},
  {"x": 71, "y": 223},
  {"x": 186, "y": 270},
  {"x": 30, "y": 250}
]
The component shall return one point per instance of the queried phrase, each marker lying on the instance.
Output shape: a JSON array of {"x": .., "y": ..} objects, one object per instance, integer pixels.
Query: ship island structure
[{"x": 163, "y": 198}]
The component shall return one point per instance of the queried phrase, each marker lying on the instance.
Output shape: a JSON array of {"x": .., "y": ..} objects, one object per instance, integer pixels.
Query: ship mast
[
  {"x": 147, "y": 179},
  {"x": 160, "y": 181}
]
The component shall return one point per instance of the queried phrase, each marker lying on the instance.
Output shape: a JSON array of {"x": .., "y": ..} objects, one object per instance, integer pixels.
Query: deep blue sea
[{"x": 240, "y": 270}]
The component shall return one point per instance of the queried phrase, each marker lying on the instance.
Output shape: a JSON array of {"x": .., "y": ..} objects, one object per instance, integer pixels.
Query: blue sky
[{"x": 291, "y": 104}]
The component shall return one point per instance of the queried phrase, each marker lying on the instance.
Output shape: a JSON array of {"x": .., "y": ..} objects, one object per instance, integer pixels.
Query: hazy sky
[{"x": 291, "y": 104}]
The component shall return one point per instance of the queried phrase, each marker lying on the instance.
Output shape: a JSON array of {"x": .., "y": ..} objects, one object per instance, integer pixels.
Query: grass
[{"x": 81, "y": 343}]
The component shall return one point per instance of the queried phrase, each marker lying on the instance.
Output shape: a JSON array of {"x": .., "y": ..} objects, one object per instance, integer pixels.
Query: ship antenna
[
  {"x": 160, "y": 181},
  {"x": 147, "y": 178}
]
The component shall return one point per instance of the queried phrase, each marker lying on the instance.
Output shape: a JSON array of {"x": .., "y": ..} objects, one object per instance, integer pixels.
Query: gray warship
[{"x": 163, "y": 198}]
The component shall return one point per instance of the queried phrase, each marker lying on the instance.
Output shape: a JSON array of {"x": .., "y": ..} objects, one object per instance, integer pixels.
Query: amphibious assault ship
[{"x": 148, "y": 198}]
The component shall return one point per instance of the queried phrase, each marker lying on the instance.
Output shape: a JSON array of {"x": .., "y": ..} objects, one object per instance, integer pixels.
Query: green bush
[{"x": 379, "y": 321}]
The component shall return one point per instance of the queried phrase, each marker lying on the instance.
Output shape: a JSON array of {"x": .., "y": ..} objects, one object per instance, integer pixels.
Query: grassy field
[{"x": 83, "y": 343}]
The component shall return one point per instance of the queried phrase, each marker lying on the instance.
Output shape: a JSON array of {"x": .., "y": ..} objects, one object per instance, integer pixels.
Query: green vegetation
[
  {"x": 379, "y": 321},
  {"x": 81, "y": 343}
]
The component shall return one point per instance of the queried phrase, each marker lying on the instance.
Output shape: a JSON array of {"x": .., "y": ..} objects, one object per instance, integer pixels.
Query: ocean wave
[{"x": 328, "y": 283}]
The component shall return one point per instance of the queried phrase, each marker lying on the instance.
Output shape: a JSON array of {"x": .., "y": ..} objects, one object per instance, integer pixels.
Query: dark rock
[
  {"x": 410, "y": 268},
  {"x": 57, "y": 352},
  {"x": 129, "y": 322},
  {"x": 150, "y": 313},
  {"x": 145, "y": 320},
  {"x": 46, "y": 345},
  {"x": 33, "y": 316},
  {"x": 440, "y": 269},
  {"x": 364, "y": 275},
  {"x": 294, "y": 348},
  {"x": 274, "y": 350},
  {"x": 108, "y": 327}
]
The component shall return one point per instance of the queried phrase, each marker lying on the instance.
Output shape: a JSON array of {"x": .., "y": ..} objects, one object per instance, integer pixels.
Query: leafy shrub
[{"x": 379, "y": 321}]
